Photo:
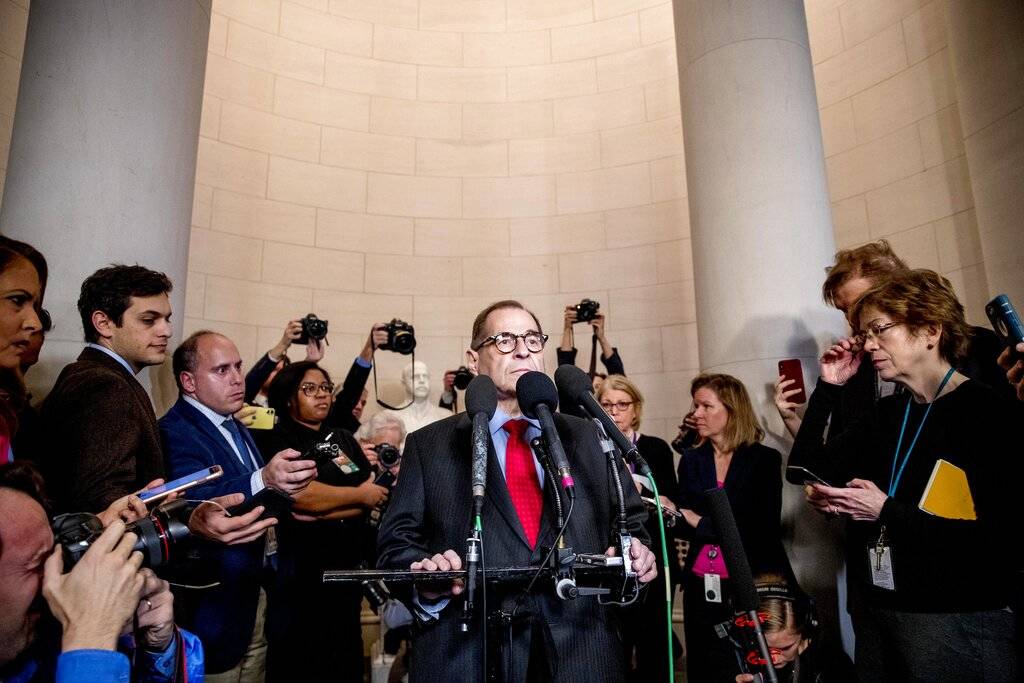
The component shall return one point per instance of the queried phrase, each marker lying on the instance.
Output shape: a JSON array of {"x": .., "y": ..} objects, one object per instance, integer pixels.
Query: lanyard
[{"x": 894, "y": 478}]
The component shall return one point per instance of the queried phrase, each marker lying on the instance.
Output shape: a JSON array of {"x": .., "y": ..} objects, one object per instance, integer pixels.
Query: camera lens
[
  {"x": 387, "y": 454},
  {"x": 462, "y": 378}
]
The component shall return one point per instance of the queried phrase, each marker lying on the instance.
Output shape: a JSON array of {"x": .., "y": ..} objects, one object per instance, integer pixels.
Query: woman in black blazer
[{"x": 729, "y": 455}]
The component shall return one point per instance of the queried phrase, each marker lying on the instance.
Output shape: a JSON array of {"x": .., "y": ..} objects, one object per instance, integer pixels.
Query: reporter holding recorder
[{"x": 928, "y": 591}]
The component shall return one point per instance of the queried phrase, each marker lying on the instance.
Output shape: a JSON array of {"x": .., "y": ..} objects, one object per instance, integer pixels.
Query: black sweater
[{"x": 939, "y": 565}]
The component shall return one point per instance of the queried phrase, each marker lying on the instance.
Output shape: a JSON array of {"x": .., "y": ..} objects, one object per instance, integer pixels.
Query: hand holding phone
[
  {"x": 158, "y": 493},
  {"x": 276, "y": 503},
  {"x": 1007, "y": 324},
  {"x": 802, "y": 476},
  {"x": 792, "y": 369}
]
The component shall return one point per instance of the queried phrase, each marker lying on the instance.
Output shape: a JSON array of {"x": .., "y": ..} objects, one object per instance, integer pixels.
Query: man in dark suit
[
  {"x": 99, "y": 432},
  {"x": 429, "y": 517},
  {"x": 200, "y": 431}
]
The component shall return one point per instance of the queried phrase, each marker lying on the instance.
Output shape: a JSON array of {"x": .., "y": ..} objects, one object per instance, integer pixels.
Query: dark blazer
[
  {"x": 430, "y": 512},
  {"x": 222, "y": 617},
  {"x": 100, "y": 435},
  {"x": 753, "y": 485}
]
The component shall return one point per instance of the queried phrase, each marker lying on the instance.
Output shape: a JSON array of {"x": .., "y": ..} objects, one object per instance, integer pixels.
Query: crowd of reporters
[{"x": 306, "y": 494}]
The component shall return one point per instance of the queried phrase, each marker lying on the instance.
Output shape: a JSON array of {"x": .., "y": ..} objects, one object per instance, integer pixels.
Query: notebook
[{"x": 948, "y": 494}]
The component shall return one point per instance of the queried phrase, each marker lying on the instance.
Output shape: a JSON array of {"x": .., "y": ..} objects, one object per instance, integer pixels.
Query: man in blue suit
[{"x": 200, "y": 431}]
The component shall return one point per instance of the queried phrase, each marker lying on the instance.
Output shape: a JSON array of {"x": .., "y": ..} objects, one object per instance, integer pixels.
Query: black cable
[
  {"x": 483, "y": 600},
  {"x": 547, "y": 558}
]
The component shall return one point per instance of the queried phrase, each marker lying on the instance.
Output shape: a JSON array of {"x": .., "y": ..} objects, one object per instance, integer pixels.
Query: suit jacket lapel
[{"x": 228, "y": 460}]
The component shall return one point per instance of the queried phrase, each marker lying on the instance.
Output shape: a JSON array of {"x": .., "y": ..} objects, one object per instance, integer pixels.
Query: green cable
[{"x": 668, "y": 582}]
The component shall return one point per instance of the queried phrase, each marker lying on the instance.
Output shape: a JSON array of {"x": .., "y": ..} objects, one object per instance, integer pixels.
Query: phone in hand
[
  {"x": 188, "y": 481},
  {"x": 793, "y": 369},
  {"x": 263, "y": 418},
  {"x": 803, "y": 476},
  {"x": 1007, "y": 324},
  {"x": 275, "y": 502}
]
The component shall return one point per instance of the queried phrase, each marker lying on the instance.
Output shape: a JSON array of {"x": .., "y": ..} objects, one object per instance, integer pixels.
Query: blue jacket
[{"x": 223, "y": 616}]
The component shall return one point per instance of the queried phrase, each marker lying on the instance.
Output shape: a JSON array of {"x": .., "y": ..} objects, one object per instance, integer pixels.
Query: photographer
[
  {"x": 317, "y": 625},
  {"x": 609, "y": 354},
  {"x": 82, "y": 636}
]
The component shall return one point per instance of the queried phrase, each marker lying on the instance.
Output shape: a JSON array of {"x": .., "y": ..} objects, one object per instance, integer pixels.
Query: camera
[
  {"x": 586, "y": 310},
  {"x": 387, "y": 454},
  {"x": 401, "y": 337},
  {"x": 462, "y": 378},
  {"x": 160, "y": 536},
  {"x": 312, "y": 328},
  {"x": 324, "y": 451}
]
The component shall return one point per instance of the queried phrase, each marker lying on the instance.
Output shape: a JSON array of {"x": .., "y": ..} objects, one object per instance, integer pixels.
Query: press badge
[
  {"x": 345, "y": 464},
  {"x": 713, "y": 588},
  {"x": 880, "y": 559}
]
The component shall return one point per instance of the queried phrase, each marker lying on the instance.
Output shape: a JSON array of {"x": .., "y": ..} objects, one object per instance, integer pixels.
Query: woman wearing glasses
[
  {"x": 930, "y": 576},
  {"x": 729, "y": 455},
  {"x": 646, "y": 622},
  {"x": 317, "y": 626}
]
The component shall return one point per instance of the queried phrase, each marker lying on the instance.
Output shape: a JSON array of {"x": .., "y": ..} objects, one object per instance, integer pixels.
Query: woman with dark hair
[
  {"x": 730, "y": 456},
  {"x": 929, "y": 585},
  {"x": 317, "y": 626},
  {"x": 20, "y": 292}
]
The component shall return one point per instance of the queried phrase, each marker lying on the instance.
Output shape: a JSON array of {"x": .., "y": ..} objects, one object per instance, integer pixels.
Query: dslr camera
[
  {"x": 401, "y": 337},
  {"x": 462, "y": 378},
  {"x": 586, "y": 310},
  {"x": 312, "y": 328},
  {"x": 387, "y": 455},
  {"x": 161, "y": 536}
]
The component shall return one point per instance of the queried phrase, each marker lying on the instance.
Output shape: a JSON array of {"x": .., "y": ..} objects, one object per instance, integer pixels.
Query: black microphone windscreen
[
  {"x": 741, "y": 578},
  {"x": 481, "y": 396},
  {"x": 533, "y": 389},
  {"x": 572, "y": 382}
]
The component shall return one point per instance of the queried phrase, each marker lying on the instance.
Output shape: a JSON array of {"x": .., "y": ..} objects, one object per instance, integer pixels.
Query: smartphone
[
  {"x": 263, "y": 418},
  {"x": 1006, "y": 322},
  {"x": 803, "y": 476},
  {"x": 186, "y": 482},
  {"x": 793, "y": 369},
  {"x": 275, "y": 502},
  {"x": 654, "y": 504},
  {"x": 385, "y": 479}
]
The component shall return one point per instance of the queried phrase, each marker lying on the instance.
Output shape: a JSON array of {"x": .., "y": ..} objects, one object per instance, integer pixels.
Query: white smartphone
[{"x": 188, "y": 481}]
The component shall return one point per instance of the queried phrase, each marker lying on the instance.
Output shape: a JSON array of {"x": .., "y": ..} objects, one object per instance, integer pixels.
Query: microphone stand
[
  {"x": 565, "y": 583},
  {"x": 625, "y": 539}
]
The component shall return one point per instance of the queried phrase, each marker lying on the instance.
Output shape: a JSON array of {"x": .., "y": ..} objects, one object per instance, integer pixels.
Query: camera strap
[
  {"x": 376, "y": 390},
  {"x": 593, "y": 356}
]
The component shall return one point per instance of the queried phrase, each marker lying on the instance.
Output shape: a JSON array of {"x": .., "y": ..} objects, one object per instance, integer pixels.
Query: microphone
[
  {"x": 481, "y": 402},
  {"x": 538, "y": 398},
  {"x": 575, "y": 385},
  {"x": 745, "y": 593}
]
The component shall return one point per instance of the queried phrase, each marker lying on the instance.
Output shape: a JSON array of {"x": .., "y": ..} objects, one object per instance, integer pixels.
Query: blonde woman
[{"x": 728, "y": 455}]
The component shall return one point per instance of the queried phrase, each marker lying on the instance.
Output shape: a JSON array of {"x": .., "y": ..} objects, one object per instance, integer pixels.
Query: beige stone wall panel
[
  {"x": 447, "y": 316},
  {"x": 558, "y": 234},
  {"x": 661, "y": 99},
  {"x": 364, "y": 232},
  {"x": 875, "y": 164},
  {"x": 318, "y": 104},
  {"x": 531, "y": 15},
  {"x": 244, "y": 337},
  {"x": 209, "y": 122},
  {"x": 388, "y": 12},
  {"x": 239, "y": 83},
  {"x": 371, "y": 76},
  {"x": 958, "y": 242},
  {"x": 434, "y": 48},
  {"x": 611, "y": 188},
  {"x": 838, "y": 132},
  {"x": 258, "y": 130},
  {"x": 275, "y": 54},
  {"x": 679, "y": 348},
  {"x": 589, "y": 113},
  {"x": 643, "y": 142},
  {"x": 329, "y": 31},
  {"x": 527, "y": 83},
  {"x": 315, "y": 185},
  {"x": 924, "y": 32},
  {"x": 656, "y": 24},
  {"x": 458, "y": 237},
  {"x": 368, "y": 151},
  {"x": 313, "y": 267},
  {"x": 231, "y": 168},
  {"x": 195, "y": 294},
  {"x": 648, "y": 224},
  {"x": 510, "y": 276},
  {"x": 462, "y": 159},
  {"x": 415, "y": 119},
  {"x": 857, "y": 69},
  {"x": 674, "y": 261},
  {"x": 941, "y": 137},
  {"x": 451, "y": 84},
  {"x": 506, "y": 49},
  {"x": 917, "y": 246},
  {"x": 850, "y": 222},
  {"x": 218, "y": 41},
  {"x": 668, "y": 179},
  {"x": 254, "y": 303},
  {"x": 611, "y": 269},
  {"x": 507, "y": 121},
  {"x": 508, "y": 197},
  {"x": 554, "y": 155},
  {"x": 597, "y": 38},
  {"x": 202, "y": 206},
  {"x": 418, "y": 197},
  {"x": 649, "y": 63},
  {"x": 419, "y": 275},
  {"x": 468, "y": 16},
  {"x": 654, "y": 306},
  {"x": 825, "y": 32},
  {"x": 356, "y": 313},
  {"x": 921, "y": 198},
  {"x": 643, "y": 349},
  {"x": 261, "y": 14},
  {"x": 864, "y": 19},
  {"x": 217, "y": 253},
  {"x": 604, "y": 9},
  {"x": 972, "y": 288},
  {"x": 240, "y": 214}
]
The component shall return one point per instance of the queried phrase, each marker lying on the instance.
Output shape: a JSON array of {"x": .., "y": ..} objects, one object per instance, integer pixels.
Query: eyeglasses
[
  {"x": 311, "y": 388},
  {"x": 875, "y": 330},
  {"x": 506, "y": 342},
  {"x": 618, "y": 407}
]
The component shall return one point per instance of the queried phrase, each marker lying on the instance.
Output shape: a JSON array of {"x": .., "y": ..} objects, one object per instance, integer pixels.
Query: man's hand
[
  {"x": 370, "y": 454},
  {"x": 292, "y": 331},
  {"x": 570, "y": 317},
  {"x": 861, "y": 499},
  {"x": 289, "y": 471},
  {"x": 94, "y": 600},
  {"x": 210, "y": 520},
  {"x": 378, "y": 335},
  {"x": 1014, "y": 371},
  {"x": 129, "y": 508},
  {"x": 371, "y": 494},
  {"x": 246, "y": 415},
  {"x": 155, "y": 613},
  {"x": 447, "y": 561},
  {"x": 597, "y": 324},
  {"x": 315, "y": 350},
  {"x": 841, "y": 361},
  {"x": 643, "y": 560},
  {"x": 819, "y": 501}
]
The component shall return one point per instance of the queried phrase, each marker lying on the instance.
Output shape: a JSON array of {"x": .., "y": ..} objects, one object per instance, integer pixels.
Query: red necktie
[{"x": 521, "y": 479}]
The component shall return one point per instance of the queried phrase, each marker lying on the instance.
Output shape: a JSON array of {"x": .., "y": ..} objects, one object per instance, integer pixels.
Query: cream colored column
[
  {"x": 760, "y": 217},
  {"x": 986, "y": 39},
  {"x": 103, "y": 154}
]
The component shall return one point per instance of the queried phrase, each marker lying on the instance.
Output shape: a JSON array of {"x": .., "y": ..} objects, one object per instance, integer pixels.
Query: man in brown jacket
[{"x": 98, "y": 420}]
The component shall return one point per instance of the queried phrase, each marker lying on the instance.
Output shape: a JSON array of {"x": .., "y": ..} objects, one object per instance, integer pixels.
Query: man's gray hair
[{"x": 378, "y": 421}]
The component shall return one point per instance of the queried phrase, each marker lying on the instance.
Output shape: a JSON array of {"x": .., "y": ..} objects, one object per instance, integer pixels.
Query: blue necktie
[{"x": 243, "y": 450}]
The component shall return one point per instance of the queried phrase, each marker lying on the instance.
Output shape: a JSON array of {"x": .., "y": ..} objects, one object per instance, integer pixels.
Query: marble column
[
  {"x": 986, "y": 40},
  {"x": 103, "y": 152},
  {"x": 760, "y": 219}
]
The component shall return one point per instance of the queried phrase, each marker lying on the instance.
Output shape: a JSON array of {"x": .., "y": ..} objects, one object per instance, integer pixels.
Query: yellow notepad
[{"x": 947, "y": 493}]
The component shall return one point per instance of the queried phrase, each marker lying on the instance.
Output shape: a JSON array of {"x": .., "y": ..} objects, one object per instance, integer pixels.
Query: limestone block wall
[
  {"x": 892, "y": 136},
  {"x": 422, "y": 158},
  {"x": 13, "y": 23}
]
